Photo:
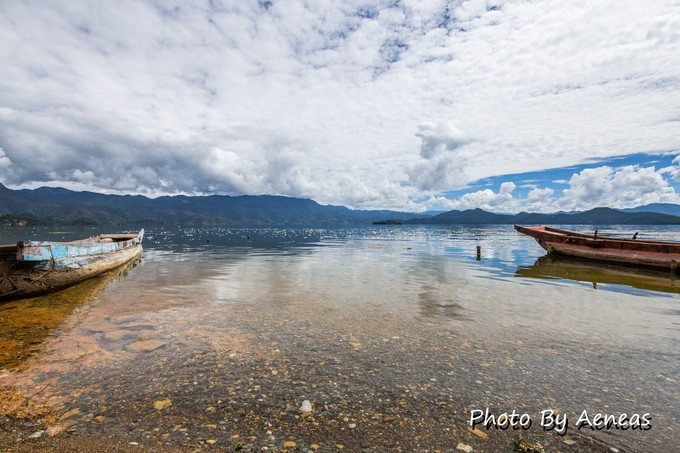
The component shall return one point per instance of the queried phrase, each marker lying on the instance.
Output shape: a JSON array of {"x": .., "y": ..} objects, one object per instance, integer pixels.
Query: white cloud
[
  {"x": 622, "y": 187},
  {"x": 539, "y": 200},
  {"x": 369, "y": 104},
  {"x": 487, "y": 199},
  {"x": 616, "y": 187},
  {"x": 443, "y": 158},
  {"x": 501, "y": 201},
  {"x": 5, "y": 162},
  {"x": 673, "y": 170}
]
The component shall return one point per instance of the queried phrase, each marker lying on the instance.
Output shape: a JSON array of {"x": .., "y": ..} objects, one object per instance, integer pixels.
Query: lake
[{"x": 394, "y": 334}]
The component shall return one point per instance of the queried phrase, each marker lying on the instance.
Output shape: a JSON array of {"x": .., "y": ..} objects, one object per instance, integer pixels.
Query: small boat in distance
[
  {"x": 635, "y": 252},
  {"x": 30, "y": 268}
]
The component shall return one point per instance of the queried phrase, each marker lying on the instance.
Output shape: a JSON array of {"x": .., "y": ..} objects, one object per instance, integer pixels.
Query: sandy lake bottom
[{"x": 394, "y": 338}]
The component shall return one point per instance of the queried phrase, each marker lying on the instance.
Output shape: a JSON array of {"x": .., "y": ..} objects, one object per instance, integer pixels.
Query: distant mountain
[
  {"x": 58, "y": 205},
  {"x": 48, "y": 205},
  {"x": 468, "y": 217},
  {"x": 660, "y": 208},
  {"x": 597, "y": 216}
]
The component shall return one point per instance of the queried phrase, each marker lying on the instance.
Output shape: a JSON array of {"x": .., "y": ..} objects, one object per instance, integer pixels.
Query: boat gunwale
[
  {"x": 548, "y": 229},
  {"x": 116, "y": 238},
  {"x": 556, "y": 236}
]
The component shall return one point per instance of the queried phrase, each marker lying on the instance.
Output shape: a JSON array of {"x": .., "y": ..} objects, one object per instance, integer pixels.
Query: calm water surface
[{"x": 219, "y": 333}]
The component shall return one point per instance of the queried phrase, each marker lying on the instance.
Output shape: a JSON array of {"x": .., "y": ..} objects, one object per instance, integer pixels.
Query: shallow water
[{"x": 231, "y": 329}]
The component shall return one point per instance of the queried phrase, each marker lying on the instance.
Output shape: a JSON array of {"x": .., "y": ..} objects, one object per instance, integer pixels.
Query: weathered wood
[
  {"x": 118, "y": 236},
  {"x": 8, "y": 249},
  {"x": 655, "y": 254},
  {"x": 36, "y": 267}
]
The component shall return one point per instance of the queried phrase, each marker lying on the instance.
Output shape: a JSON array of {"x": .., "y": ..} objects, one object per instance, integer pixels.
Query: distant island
[
  {"x": 388, "y": 222},
  {"x": 58, "y": 206}
]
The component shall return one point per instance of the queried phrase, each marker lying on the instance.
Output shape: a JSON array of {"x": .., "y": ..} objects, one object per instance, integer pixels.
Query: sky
[{"x": 507, "y": 105}]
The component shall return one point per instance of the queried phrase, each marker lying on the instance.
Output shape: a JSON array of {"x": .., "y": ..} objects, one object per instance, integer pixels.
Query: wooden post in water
[{"x": 479, "y": 252}]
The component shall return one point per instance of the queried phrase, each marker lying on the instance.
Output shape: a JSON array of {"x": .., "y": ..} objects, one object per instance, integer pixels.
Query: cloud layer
[{"x": 367, "y": 104}]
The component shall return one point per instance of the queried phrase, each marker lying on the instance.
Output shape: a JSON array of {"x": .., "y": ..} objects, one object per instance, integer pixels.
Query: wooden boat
[
  {"x": 31, "y": 268},
  {"x": 643, "y": 253}
]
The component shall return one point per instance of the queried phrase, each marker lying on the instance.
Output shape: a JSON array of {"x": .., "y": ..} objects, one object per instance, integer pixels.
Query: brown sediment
[{"x": 25, "y": 324}]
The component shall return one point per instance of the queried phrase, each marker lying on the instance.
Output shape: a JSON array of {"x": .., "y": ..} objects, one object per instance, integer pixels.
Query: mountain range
[
  {"x": 49, "y": 205},
  {"x": 62, "y": 206},
  {"x": 661, "y": 208},
  {"x": 597, "y": 216}
]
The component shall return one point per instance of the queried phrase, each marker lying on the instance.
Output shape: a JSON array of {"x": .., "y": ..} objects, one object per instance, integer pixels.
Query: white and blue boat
[{"x": 30, "y": 268}]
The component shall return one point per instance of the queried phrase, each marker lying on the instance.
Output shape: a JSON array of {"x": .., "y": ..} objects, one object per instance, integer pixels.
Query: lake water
[{"x": 394, "y": 334}]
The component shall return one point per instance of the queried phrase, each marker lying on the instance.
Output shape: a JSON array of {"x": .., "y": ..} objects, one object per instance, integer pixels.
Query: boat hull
[
  {"x": 651, "y": 254},
  {"x": 41, "y": 267}
]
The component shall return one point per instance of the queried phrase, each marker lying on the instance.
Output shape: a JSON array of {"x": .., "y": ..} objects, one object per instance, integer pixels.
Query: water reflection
[
  {"x": 25, "y": 324},
  {"x": 600, "y": 275},
  {"x": 432, "y": 305}
]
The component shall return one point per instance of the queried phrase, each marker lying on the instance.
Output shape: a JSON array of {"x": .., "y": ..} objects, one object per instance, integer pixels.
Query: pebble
[
  {"x": 306, "y": 406},
  {"x": 70, "y": 413},
  {"x": 289, "y": 444},
  {"x": 463, "y": 447},
  {"x": 479, "y": 433},
  {"x": 54, "y": 430},
  {"x": 162, "y": 404},
  {"x": 36, "y": 435}
]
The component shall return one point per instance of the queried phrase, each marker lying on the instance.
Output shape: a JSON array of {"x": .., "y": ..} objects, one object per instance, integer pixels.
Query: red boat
[{"x": 643, "y": 253}]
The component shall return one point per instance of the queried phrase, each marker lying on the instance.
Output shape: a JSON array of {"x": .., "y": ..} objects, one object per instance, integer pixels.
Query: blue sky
[
  {"x": 650, "y": 178},
  {"x": 558, "y": 178},
  {"x": 409, "y": 105}
]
